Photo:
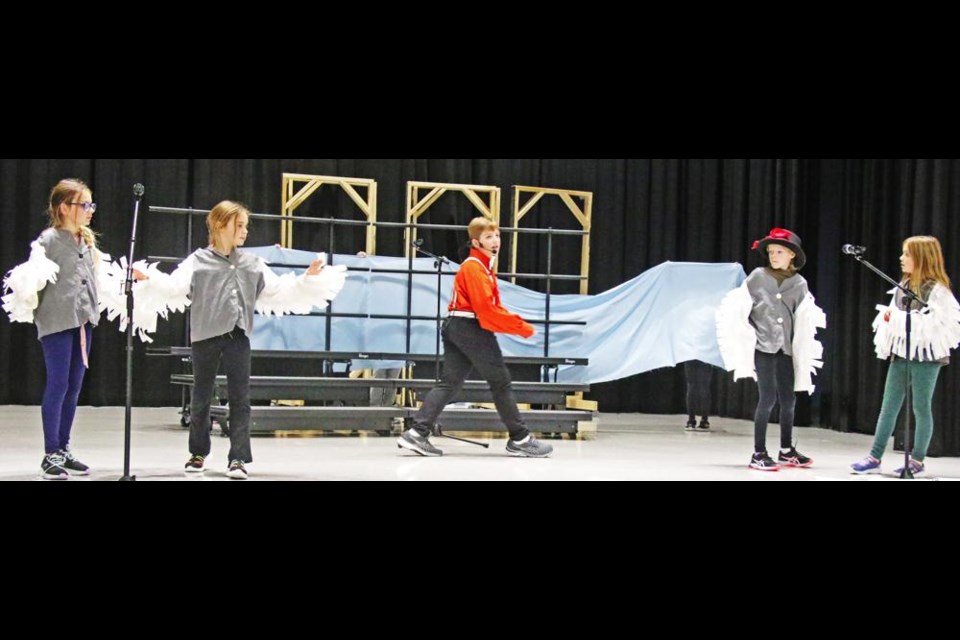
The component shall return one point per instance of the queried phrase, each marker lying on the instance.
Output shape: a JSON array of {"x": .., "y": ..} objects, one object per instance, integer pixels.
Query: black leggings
[
  {"x": 775, "y": 382},
  {"x": 698, "y": 376}
]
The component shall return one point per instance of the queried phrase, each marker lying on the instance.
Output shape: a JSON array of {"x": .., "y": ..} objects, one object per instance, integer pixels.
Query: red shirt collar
[{"x": 482, "y": 257}]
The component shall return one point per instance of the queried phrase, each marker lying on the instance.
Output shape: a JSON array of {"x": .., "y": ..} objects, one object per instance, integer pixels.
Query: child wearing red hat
[{"x": 766, "y": 329}]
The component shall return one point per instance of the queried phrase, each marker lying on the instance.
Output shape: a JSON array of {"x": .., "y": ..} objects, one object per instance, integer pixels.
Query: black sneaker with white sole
[
  {"x": 417, "y": 443},
  {"x": 794, "y": 458},
  {"x": 237, "y": 470},
  {"x": 51, "y": 467},
  {"x": 194, "y": 465},
  {"x": 761, "y": 461},
  {"x": 73, "y": 466}
]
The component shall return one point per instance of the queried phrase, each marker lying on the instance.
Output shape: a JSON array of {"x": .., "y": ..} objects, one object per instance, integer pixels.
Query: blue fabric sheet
[{"x": 662, "y": 317}]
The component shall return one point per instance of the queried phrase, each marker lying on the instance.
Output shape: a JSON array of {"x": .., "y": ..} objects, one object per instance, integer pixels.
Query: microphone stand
[
  {"x": 128, "y": 291},
  {"x": 911, "y": 297},
  {"x": 438, "y": 262}
]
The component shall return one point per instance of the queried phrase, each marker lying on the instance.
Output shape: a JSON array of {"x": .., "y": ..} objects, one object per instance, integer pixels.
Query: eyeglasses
[{"x": 88, "y": 207}]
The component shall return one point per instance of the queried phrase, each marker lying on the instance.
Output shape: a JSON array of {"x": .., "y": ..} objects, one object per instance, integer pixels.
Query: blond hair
[
  {"x": 221, "y": 215},
  {"x": 480, "y": 225},
  {"x": 62, "y": 193},
  {"x": 928, "y": 263}
]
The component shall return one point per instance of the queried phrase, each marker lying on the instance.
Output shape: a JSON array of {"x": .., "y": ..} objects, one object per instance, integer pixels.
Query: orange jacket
[{"x": 475, "y": 289}]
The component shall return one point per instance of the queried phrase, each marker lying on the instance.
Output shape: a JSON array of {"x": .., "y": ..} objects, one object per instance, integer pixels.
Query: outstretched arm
[
  {"x": 289, "y": 293},
  {"x": 156, "y": 293}
]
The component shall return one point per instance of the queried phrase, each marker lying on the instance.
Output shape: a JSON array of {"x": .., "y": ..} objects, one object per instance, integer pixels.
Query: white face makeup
[{"x": 488, "y": 243}]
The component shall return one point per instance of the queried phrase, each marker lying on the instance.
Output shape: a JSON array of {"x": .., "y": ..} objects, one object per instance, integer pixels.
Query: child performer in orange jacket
[{"x": 475, "y": 315}]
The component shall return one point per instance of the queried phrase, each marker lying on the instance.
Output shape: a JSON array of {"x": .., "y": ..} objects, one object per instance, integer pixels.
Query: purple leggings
[{"x": 61, "y": 354}]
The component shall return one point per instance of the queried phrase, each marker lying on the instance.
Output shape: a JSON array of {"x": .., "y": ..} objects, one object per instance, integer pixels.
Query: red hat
[{"x": 786, "y": 238}]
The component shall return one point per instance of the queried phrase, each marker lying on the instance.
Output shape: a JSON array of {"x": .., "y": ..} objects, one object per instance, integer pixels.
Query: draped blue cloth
[{"x": 662, "y": 317}]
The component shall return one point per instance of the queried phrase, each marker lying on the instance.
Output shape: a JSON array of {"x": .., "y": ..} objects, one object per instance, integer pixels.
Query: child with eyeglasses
[
  {"x": 62, "y": 289},
  {"x": 223, "y": 287}
]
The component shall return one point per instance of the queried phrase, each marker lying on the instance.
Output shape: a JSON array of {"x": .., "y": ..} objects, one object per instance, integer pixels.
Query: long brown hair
[
  {"x": 221, "y": 215},
  {"x": 927, "y": 262},
  {"x": 64, "y": 192}
]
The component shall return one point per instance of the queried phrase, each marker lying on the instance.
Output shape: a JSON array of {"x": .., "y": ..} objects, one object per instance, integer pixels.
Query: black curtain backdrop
[{"x": 645, "y": 212}]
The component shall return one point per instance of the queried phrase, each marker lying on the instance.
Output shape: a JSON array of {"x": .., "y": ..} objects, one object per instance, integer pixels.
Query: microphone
[
  {"x": 853, "y": 249},
  {"x": 416, "y": 243},
  {"x": 138, "y": 190}
]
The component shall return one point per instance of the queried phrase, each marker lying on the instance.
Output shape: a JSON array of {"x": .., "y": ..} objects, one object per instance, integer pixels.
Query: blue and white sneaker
[
  {"x": 865, "y": 466},
  {"x": 916, "y": 468}
]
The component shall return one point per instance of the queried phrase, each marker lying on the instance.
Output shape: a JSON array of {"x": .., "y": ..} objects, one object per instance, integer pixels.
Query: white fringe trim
[
  {"x": 23, "y": 284},
  {"x": 292, "y": 294},
  {"x": 160, "y": 294},
  {"x": 934, "y": 331},
  {"x": 110, "y": 282},
  {"x": 735, "y": 335},
  {"x": 163, "y": 293},
  {"x": 807, "y": 350}
]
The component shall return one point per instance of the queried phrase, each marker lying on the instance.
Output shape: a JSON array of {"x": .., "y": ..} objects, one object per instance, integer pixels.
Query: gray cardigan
[
  {"x": 773, "y": 308},
  {"x": 224, "y": 292},
  {"x": 72, "y": 300}
]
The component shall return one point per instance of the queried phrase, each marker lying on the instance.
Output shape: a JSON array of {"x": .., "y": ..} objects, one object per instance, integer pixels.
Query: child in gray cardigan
[{"x": 62, "y": 289}]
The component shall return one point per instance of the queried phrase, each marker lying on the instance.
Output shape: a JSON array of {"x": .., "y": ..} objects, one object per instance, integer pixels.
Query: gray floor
[{"x": 625, "y": 447}]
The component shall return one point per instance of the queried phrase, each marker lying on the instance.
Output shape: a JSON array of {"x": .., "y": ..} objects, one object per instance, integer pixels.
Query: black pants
[
  {"x": 234, "y": 348},
  {"x": 775, "y": 381},
  {"x": 467, "y": 346},
  {"x": 698, "y": 375}
]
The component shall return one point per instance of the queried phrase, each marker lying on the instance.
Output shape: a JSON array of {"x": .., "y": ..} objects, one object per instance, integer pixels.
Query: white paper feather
[{"x": 24, "y": 282}]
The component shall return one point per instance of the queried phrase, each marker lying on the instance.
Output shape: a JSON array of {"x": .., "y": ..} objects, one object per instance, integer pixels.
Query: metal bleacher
[{"x": 345, "y": 398}]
